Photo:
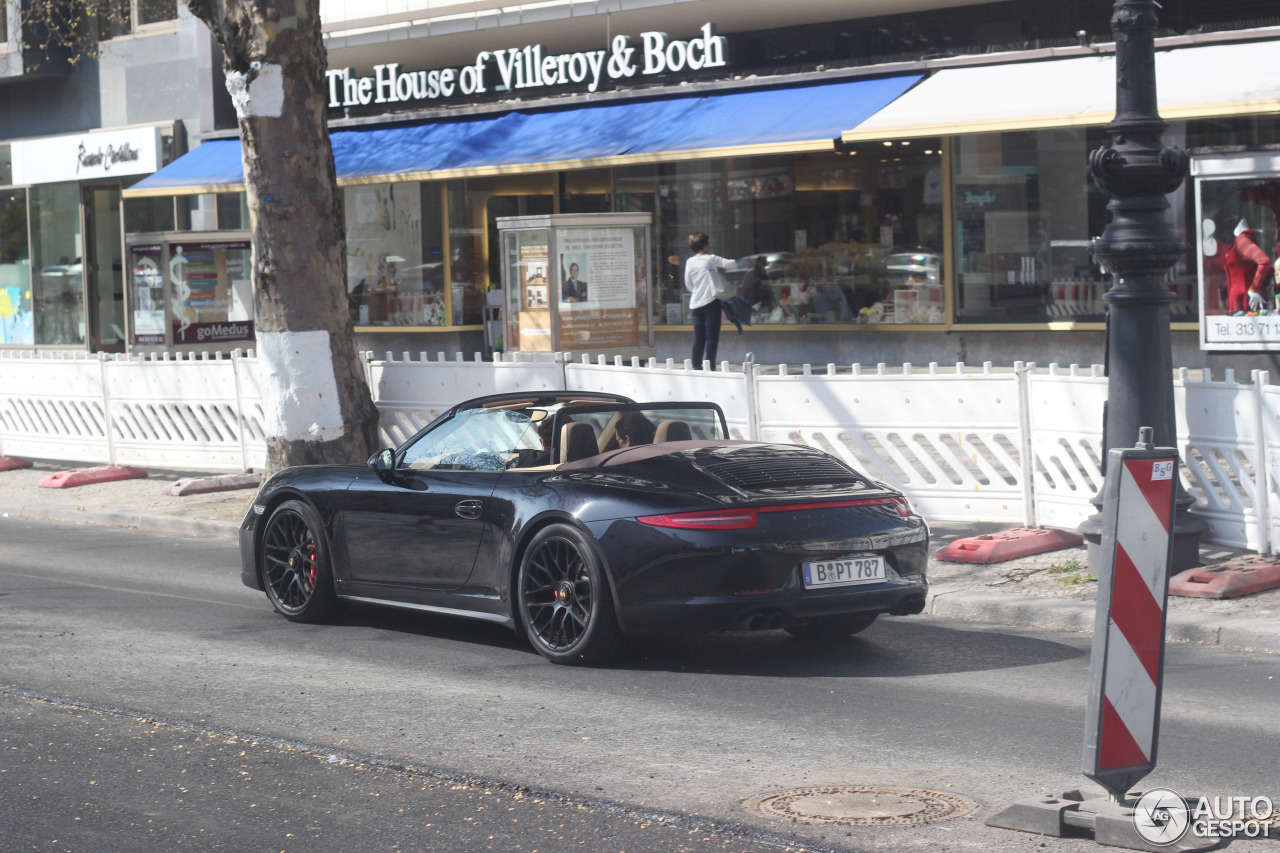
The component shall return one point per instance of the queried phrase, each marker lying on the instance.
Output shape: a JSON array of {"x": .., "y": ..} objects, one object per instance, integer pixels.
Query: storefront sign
[
  {"x": 530, "y": 67},
  {"x": 86, "y": 156}
]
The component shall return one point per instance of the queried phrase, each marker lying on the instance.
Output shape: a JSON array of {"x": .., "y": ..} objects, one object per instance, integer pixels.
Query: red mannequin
[{"x": 1248, "y": 269}]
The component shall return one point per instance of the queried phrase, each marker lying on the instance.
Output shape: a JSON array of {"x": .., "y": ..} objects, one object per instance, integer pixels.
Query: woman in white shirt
[{"x": 702, "y": 278}]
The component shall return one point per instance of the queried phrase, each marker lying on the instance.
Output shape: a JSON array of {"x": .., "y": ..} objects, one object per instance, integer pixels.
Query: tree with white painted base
[{"x": 315, "y": 399}]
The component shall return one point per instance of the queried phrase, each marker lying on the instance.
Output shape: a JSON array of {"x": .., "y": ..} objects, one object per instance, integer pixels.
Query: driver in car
[{"x": 633, "y": 429}]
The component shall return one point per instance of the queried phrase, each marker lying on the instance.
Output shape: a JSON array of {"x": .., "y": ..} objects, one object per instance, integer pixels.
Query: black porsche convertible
[{"x": 575, "y": 517}]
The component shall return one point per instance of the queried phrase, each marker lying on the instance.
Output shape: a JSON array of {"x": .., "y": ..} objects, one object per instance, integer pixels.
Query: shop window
[
  {"x": 57, "y": 288},
  {"x": 148, "y": 215},
  {"x": 395, "y": 257},
  {"x": 6, "y": 160},
  {"x": 586, "y": 191},
  {"x": 17, "y": 325},
  {"x": 233, "y": 212},
  {"x": 475, "y": 261},
  {"x": 1025, "y": 214},
  {"x": 825, "y": 238}
]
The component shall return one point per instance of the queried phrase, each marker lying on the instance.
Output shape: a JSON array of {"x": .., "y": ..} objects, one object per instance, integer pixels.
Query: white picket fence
[{"x": 1019, "y": 446}]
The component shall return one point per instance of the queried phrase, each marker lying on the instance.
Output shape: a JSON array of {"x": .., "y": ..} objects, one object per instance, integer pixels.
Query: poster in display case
[
  {"x": 146, "y": 282},
  {"x": 1237, "y": 245}
]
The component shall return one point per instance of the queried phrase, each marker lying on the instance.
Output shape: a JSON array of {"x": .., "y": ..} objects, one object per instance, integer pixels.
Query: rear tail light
[
  {"x": 741, "y": 519},
  {"x": 716, "y": 519},
  {"x": 904, "y": 508}
]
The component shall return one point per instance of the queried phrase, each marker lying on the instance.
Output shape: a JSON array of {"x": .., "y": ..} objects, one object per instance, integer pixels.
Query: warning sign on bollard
[
  {"x": 1123, "y": 723},
  {"x": 1122, "y": 729}
]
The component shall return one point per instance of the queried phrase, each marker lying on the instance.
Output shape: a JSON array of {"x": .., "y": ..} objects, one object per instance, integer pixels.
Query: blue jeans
[{"x": 706, "y": 333}]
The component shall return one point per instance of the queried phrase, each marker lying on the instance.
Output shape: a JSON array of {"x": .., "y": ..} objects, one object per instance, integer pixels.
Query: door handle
[{"x": 470, "y": 509}]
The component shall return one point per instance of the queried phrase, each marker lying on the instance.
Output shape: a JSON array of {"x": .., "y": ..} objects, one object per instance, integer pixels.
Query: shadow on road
[{"x": 890, "y": 648}]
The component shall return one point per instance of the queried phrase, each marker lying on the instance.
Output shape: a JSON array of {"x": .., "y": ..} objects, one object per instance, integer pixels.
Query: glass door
[{"x": 104, "y": 267}]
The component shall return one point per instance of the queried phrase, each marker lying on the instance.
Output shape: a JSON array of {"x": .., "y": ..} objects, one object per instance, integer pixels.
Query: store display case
[
  {"x": 189, "y": 289},
  {"x": 1237, "y": 206},
  {"x": 577, "y": 283}
]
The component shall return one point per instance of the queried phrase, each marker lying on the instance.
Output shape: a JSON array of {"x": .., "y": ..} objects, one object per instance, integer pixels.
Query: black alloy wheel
[
  {"x": 294, "y": 561},
  {"x": 564, "y": 598},
  {"x": 832, "y": 627}
]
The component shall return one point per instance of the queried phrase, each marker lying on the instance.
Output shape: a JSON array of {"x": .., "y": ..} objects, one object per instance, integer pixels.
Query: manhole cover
[{"x": 865, "y": 806}]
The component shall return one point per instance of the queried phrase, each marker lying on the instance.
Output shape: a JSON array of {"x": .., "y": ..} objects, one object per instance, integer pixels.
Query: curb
[
  {"x": 1061, "y": 614},
  {"x": 144, "y": 522}
]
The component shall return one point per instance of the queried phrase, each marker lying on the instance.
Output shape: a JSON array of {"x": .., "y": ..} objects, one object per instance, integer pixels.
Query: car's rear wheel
[
  {"x": 295, "y": 565},
  {"x": 833, "y": 627},
  {"x": 564, "y": 598}
]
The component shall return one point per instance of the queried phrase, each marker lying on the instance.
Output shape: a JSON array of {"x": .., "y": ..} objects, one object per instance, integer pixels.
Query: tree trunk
[{"x": 316, "y": 401}]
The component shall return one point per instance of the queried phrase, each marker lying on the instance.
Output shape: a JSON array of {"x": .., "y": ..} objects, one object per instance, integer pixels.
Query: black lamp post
[{"x": 1137, "y": 249}]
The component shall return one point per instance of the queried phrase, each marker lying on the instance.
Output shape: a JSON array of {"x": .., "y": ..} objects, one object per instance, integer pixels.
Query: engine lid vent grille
[{"x": 773, "y": 472}]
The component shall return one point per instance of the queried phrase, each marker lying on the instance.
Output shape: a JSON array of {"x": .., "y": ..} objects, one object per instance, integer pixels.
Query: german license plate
[{"x": 847, "y": 572}]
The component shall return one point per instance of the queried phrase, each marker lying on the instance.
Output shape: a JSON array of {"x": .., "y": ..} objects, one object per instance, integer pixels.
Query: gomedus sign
[{"x": 530, "y": 67}]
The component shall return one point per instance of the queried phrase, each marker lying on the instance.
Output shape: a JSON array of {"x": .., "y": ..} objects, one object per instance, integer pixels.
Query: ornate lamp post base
[{"x": 1138, "y": 248}]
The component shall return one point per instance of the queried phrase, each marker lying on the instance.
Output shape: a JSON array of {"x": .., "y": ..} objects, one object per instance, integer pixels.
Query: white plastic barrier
[
  {"x": 950, "y": 440},
  {"x": 1269, "y": 415},
  {"x": 1222, "y": 445},
  {"x": 171, "y": 412},
  {"x": 53, "y": 406},
  {"x": 1064, "y": 423},
  {"x": 252, "y": 420},
  {"x": 1020, "y": 446},
  {"x": 410, "y": 394},
  {"x": 668, "y": 382}
]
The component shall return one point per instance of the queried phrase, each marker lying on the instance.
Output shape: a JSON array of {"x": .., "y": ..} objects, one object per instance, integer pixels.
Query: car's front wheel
[
  {"x": 832, "y": 627},
  {"x": 564, "y": 598},
  {"x": 295, "y": 565}
]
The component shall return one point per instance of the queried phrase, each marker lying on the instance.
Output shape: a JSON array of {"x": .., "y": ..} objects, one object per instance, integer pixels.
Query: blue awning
[{"x": 795, "y": 118}]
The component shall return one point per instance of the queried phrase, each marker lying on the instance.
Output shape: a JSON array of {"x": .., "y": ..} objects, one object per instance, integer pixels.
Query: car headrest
[
  {"x": 672, "y": 431},
  {"x": 577, "y": 441}
]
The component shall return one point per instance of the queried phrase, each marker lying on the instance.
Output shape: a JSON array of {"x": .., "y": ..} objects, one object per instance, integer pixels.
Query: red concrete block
[
  {"x": 12, "y": 463},
  {"x": 88, "y": 476},
  {"x": 1232, "y": 579},
  {"x": 220, "y": 483},
  {"x": 1009, "y": 545}
]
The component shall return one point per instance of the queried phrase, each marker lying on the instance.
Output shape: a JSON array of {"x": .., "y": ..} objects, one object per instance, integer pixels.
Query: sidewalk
[{"x": 1052, "y": 590}]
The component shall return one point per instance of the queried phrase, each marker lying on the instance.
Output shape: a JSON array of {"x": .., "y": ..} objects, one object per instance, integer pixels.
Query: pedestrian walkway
[{"x": 1053, "y": 590}]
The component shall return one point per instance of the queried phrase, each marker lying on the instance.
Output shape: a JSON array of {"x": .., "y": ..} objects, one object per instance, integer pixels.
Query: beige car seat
[
  {"x": 577, "y": 441},
  {"x": 672, "y": 431}
]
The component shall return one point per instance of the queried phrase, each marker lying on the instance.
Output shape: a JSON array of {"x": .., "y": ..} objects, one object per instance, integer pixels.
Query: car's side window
[{"x": 472, "y": 440}]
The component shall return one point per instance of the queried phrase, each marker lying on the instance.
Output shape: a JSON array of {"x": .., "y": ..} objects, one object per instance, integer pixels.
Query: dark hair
[
  {"x": 698, "y": 241},
  {"x": 571, "y": 266},
  {"x": 635, "y": 427}
]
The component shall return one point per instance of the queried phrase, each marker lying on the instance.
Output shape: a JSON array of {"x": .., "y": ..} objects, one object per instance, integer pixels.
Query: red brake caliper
[{"x": 311, "y": 565}]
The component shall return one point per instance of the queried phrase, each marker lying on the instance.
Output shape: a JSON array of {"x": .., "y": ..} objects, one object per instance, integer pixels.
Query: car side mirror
[{"x": 383, "y": 463}]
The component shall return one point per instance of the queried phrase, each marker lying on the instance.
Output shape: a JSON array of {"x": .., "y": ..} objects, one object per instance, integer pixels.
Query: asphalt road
[{"x": 128, "y": 659}]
